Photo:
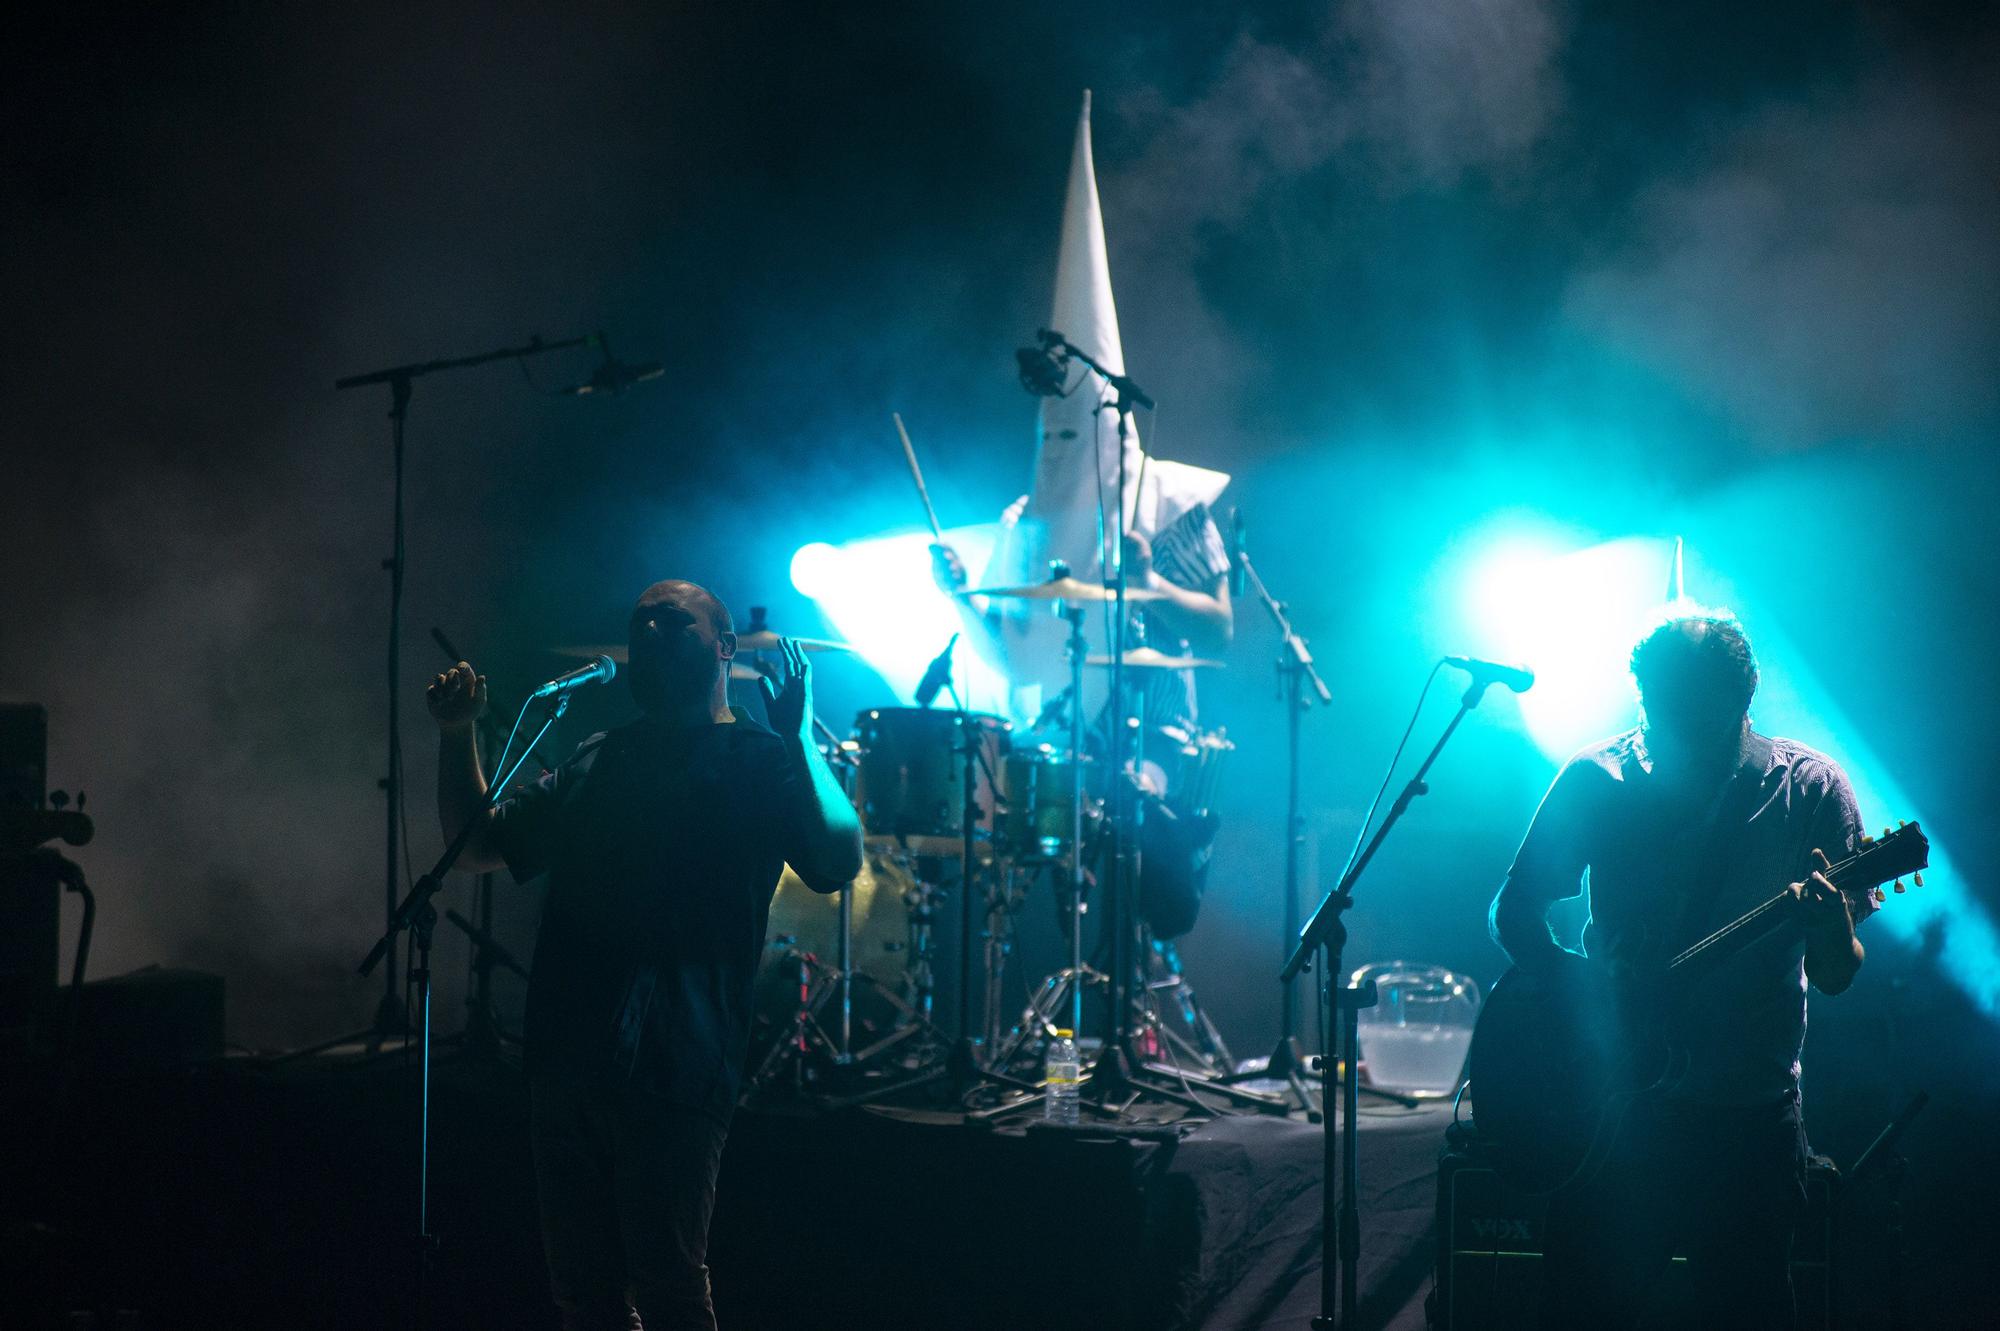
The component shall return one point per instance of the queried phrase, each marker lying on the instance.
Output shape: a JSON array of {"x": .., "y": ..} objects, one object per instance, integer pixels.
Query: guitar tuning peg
[
  {"x": 1902, "y": 822},
  {"x": 1880, "y": 895},
  {"x": 1918, "y": 879},
  {"x": 1899, "y": 885},
  {"x": 1867, "y": 840},
  {"x": 1885, "y": 831}
]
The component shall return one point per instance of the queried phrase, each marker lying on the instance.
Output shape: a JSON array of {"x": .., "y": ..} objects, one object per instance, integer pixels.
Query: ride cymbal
[{"x": 1067, "y": 589}]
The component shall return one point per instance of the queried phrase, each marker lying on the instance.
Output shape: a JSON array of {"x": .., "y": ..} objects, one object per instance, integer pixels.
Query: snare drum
[{"x": 911, "y": 785}]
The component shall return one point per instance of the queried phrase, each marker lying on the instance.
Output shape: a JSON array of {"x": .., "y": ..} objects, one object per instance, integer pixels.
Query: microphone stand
[
  {"x": 1116, "y": 1075},
  {"x": 416, "y": 914},
  {"x": 1340, "y": 1237},
  {"x": 389, "y": 1014},
  {"x": 1295, "y": 673}
]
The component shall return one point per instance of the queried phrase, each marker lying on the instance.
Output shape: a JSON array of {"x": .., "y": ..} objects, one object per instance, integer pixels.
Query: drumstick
[{"x": 917, "y": 474}]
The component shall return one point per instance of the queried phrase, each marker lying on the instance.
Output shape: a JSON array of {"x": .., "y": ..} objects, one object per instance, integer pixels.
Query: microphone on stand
[
  {"x": 936, "y": 676},
  {"x": 613, "y": 375},
  {"x": 1055, "y": 708},
  {"x": 1043, "y": 368},
  {"x": 1518, "y": 678},
  {"x": 601, "y": 670},
  {"x": 1239, "y": 574}
]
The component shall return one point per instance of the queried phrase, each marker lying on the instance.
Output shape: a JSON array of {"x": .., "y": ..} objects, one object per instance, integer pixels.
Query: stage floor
[{"x": 242, "y": 1194}]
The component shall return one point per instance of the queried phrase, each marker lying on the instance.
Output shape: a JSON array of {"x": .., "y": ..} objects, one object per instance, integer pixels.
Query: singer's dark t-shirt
[{"x": 662, "y": 849}]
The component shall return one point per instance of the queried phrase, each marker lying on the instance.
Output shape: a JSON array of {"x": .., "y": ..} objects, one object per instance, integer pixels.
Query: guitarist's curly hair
[{"x": 1697, "y": 657}]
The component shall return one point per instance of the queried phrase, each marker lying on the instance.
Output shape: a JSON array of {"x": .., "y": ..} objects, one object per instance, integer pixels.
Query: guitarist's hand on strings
[
  {"x": 1824, "y": 907},
  {"x": 1833, "y": 953}
]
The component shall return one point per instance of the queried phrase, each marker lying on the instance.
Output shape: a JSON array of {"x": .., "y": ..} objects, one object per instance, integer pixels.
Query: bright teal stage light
[
  {"x": 879, "y": 595},
  {"x": 1571, "y": 616}
]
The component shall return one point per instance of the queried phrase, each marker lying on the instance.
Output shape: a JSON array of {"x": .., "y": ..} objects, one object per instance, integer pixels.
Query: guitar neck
[{"x": 1752, "y": 926}]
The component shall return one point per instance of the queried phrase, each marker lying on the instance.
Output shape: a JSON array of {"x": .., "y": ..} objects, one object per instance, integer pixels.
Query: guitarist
[{"x": 1674, "y": 828}]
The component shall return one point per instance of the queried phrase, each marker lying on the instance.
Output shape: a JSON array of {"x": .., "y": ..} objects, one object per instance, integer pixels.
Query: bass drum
[{"x": 805, "y": 922}]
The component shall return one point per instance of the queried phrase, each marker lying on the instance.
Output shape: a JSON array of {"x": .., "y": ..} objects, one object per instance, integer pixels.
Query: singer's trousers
[{"x": 626, "y": 1185}]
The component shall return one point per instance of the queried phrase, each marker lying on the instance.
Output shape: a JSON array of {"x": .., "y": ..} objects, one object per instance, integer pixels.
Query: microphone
[
  {"x": 1239, "y": 573},
  {"x": 1518, "y": 678},
  {"x": 1043, "y": 369},
  {"x": 1055, "y": 708},
  {"x": 603, "y": 669},
  {"x": 936, "y": 676},
  {"x": 613, "y": 376}
]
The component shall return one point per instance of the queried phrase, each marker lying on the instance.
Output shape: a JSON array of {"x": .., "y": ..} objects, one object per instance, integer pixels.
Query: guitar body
[
  {"x": 1556, "y": 1061},
  {"x": 1558, "y": 1058}
]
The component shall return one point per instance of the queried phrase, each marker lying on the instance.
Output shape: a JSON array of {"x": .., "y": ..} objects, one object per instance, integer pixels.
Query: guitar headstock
[{"x": 1891, "y": 856}]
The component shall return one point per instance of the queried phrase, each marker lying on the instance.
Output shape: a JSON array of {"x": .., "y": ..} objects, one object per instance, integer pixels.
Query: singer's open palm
[{"x": 788, "y": 698}]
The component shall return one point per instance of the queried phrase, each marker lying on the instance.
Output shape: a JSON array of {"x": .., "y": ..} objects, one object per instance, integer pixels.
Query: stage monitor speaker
[{"x": 1489, "y": 1259}]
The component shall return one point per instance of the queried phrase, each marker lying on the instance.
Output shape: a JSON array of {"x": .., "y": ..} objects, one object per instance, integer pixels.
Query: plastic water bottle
[{"x": 1062, "y": 1078}]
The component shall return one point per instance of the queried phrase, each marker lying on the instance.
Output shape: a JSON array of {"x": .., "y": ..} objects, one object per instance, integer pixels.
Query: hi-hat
[
  {"x": 620, "y": 654},
  {"x": 1151, "y": 658},
  {"x": 1067, "y": 589}
]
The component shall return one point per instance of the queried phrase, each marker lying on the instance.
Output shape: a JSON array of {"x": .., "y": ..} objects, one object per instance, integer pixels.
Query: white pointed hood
[{"x": 1076, "y": 464}]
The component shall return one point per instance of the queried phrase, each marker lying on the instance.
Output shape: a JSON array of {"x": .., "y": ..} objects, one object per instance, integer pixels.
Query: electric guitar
[{"x": 1558, "y": 1057}]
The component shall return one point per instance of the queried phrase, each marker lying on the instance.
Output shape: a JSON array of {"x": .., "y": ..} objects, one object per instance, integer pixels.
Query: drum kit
[{"x": 953, "y": 801}]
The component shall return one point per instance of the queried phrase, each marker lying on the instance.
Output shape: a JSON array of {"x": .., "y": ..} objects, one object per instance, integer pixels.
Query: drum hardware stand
[
  {"x": 999, "y": 940},
  {"x": 1326, "y": 931},
  {"x": 416, "y": 914},
  {"x": 483, "y": 1034},
  {"x": 820, "y": 983},
  {"x": 1295, "y": 673},
  {"x": 1212, "y": 1052},
  {"x": 963, "y": 1070}
]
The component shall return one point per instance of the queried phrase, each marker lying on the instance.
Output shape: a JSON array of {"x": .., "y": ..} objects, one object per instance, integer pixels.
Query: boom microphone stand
[
  {"x": 1295, "y": 672},
  {"x": 1340, "y": 1238},
  {"x": 389, "y": 1014},
  {"x": 1117, "y": 1074}
]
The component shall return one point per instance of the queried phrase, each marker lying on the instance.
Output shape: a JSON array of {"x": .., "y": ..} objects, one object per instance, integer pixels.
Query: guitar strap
[{"x": 1732, "y": 808}]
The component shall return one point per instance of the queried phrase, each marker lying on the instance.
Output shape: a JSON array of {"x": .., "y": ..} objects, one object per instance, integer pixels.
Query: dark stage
[
  {"x": 242, "y": 1195},
  {"x": 1094, "y": 449}
]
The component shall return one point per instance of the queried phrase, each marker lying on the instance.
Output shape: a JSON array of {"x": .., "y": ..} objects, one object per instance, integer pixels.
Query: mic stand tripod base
[{"x": 1287, "y": 1064}]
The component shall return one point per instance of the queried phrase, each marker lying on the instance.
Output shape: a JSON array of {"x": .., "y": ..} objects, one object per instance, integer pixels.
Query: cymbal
[
  {"x": 763, "y": 640},
  {"x": 618, "y": 652},
  {"x": 1151, "y": 658},
  {"x": 1067, "y": 589}
]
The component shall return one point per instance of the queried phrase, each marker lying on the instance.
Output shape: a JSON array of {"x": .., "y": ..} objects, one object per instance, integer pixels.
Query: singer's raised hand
[
  {"x": 457, "y": 698},
  {"x": 788, "y": 700}
]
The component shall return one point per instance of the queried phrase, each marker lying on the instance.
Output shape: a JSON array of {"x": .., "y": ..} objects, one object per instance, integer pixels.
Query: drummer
[{"x": 1174, "y": 550}]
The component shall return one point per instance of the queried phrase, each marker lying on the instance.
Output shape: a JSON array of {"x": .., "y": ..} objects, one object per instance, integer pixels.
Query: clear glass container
[{"x": 1416, "y": 1036}]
